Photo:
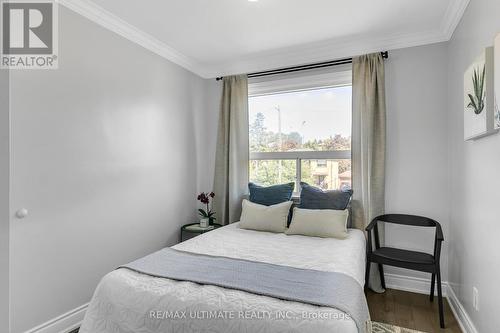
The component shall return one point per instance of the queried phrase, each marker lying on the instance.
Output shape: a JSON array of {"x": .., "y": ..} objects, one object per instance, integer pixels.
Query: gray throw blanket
[{"x": 330, "y": 289}]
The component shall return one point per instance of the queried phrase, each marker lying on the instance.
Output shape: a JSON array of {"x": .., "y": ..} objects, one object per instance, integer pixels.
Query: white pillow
[
  {"x": 319, "y": 223},
  {"x": 265, "y": 218}
]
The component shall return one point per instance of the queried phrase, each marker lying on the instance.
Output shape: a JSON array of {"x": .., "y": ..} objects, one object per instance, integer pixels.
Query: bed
[{"x": 128, "y": 301}]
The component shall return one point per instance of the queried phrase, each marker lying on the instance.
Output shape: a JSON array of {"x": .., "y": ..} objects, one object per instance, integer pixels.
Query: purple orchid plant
[{"x": 207, "y": 199}]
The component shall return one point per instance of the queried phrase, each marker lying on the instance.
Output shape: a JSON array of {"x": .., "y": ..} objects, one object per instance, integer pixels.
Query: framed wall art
[{"x": 479, "y": 99}]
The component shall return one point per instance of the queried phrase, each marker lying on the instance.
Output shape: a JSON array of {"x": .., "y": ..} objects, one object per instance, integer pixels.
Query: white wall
[
  {"x": 417, "y": 167},
  {"x": 474, "y": 249},
  {"x": 105, "y": 160},
  {"x": 4, "y": 200}
]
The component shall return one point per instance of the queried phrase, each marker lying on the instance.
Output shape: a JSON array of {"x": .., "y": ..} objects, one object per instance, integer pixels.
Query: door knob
[{"x": 22, "y": 213}]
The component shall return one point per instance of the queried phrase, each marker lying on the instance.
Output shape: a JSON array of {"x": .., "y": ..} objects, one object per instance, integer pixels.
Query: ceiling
[{"x": 220, "y": 37}]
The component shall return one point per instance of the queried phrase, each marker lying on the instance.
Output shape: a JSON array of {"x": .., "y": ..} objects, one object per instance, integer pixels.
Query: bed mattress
[{"x": 127, "y": 301}]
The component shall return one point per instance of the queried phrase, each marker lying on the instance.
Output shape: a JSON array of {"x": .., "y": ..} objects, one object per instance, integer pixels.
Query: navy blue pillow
[
  {"x": 271, "y": 195},
  {"x": 315, "y": 198}
]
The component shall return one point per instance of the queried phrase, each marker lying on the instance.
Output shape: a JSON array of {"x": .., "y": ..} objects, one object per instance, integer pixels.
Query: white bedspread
[{"x": 126, "y": 301}]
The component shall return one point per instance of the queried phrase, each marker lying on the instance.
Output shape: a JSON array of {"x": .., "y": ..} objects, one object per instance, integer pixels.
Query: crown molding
[
  {"x": 452, "y": 17},
  {"x": 324, "y": 51},
  {"x": 290, "y": 56},
  {"x": 344, "y": 47},
  {"x": 108, "y": 20}
]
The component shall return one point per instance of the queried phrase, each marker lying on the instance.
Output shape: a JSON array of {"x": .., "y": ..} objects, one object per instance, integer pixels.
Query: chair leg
[
  {"x": 433, "y": 282},
  {"x": 382, "y": 278},
  {"x": 440, "y": 298},
  {"x": 367, "y": 274}
]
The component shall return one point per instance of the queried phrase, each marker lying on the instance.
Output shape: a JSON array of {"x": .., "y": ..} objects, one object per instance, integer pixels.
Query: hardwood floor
[{"x": 410, "y": 310}]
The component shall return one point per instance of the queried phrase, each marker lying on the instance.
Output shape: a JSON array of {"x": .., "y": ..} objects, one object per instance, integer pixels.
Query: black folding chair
[{"x": 414, "y": 260}]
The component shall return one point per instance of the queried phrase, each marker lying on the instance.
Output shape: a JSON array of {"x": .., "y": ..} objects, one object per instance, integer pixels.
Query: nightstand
[{"x": 194, "y": 228}]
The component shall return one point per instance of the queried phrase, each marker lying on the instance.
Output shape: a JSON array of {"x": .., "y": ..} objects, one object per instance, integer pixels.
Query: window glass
[
  {"x": 272, "y": 172},
  {"x": 333, "y": 175},
  {"x": 301, "y": 136},
  {"x": 318, "y": 120}
]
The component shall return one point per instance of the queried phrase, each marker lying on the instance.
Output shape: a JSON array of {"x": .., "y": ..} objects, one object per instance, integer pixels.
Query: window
[
  {"x": 321, "y": 163},
  {"x": 301, "y": 136}
]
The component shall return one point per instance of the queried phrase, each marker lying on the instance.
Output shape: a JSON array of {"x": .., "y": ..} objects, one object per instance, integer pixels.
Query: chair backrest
[
  {"x": 404, "y": 219},
  {"x": 412, "y": 220}
]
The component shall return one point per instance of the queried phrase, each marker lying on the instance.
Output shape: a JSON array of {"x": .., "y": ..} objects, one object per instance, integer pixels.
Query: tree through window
[{"x": 301, "y": 136}]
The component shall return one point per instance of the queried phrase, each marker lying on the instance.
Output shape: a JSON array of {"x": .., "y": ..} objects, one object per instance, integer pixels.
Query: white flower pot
[{"x": 204, "y": 223}]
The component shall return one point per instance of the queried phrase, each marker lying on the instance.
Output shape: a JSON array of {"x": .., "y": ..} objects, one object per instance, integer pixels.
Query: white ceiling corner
[
  {"x": 453, "y": 15},
  {"x": 108, "y": 20},
  {"x": 303, "y": 53}
]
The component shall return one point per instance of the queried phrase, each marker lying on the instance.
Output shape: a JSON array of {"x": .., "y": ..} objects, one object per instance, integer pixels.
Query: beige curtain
[
  {"x": 368, "y": 145},
  {"x": 231, "y": 166}
]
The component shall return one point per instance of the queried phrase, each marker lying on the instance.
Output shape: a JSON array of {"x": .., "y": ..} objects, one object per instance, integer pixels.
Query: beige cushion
[
  {"x": 265, "y": 218},
  {"x": 319, "y": 223}
]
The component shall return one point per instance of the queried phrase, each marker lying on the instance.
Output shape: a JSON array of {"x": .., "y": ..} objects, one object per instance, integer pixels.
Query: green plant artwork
[{"x": 477, "y": 100}]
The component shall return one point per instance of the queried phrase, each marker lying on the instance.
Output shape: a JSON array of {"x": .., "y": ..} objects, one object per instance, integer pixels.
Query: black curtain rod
[{"x": 317, "y": 65}]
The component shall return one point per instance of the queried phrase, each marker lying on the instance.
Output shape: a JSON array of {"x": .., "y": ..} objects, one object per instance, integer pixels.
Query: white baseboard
[
  {"x": 459, "y": 312},
  {"x": 412, "y": 284},
  {"x": 423, "y": 286},
  {"x": 63, "y": 323}
]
